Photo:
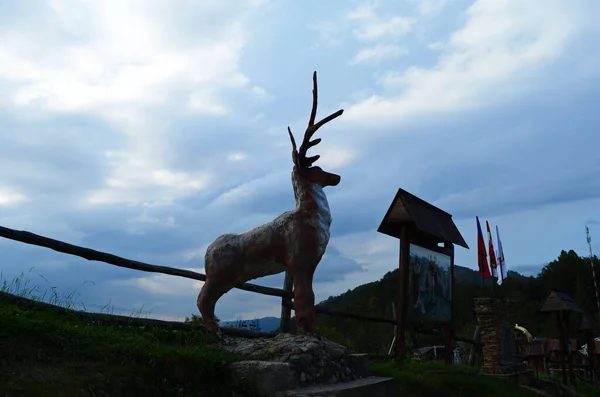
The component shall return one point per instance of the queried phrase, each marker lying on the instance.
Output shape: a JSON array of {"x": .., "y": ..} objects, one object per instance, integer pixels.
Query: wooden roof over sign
[{"x": 426, "y": 222}]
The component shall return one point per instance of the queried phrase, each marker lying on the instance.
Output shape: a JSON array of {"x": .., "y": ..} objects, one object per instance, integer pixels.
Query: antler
[{"x": 300, "y": 158}]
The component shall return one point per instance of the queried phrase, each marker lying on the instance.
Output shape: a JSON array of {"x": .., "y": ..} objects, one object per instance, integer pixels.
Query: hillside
[
  {"x": 45, "y": 351},
  {"x": 568, "y": 272},
  {"x": 48, "y": 352}
]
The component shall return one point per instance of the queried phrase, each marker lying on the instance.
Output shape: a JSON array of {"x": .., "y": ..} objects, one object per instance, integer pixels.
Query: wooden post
[
  {"x": 448, "y": 353},
  {"x": 545, "y": 356},
  {"x": 591, "y": 348},
  {"x": 563, "y": 346},
  {"x": 286, "y": 311},
  {"x": 475, "y": 349},
  {"x": 395, "y": 328},
  {"x": 402, "y": 309},
  {"x": 448, "y": 330},
  {"x": 569, "y": 348}
]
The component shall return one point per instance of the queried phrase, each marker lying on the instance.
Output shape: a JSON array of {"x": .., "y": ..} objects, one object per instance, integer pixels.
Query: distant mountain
[{"x": 266, "y": 324}]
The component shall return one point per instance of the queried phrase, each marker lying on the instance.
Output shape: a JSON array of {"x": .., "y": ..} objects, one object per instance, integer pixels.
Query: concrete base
[{"x": 371, "y": 386}]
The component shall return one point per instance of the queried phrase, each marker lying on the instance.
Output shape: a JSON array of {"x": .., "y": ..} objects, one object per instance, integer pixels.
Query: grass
[
  {"x": 47, "y": 352},
  {"x": 432, "y": 379},
  {"x": 587, "y": 390},
  {"x": 584, "y": 388},
  {"x": 44, "y": 352},
  {"x": 21, "y": 286}
]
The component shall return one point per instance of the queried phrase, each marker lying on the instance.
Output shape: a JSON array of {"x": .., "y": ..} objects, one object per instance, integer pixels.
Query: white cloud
[
  {"x": 205, "y": 103},
  {"x": 377, "y": 29},
  {"x": 362, "y": 11},
  {"x": 330, "y": 33},
  {"x": 383, "y": 31},
  {"x": 429, "y": 6},
  {"x": 336, "y": 158},
  {"x": 236, "y": 156},
  {"x": 500, "y": 42},
  {"x": 145, "y": 221},
  {"x": 194, "y": 253},
  {"x": 379, "y": 52},
  {"x": 163, "y": 284},
  {"x": 250, "y": 189},
  {"x": 9, "y": 197},
  {"x": 373, "y": 26},
  {"x": 119, "y": 60}
]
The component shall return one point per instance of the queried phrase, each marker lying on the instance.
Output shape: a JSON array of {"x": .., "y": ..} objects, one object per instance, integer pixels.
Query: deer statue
[{"x": 294, "y": 241}]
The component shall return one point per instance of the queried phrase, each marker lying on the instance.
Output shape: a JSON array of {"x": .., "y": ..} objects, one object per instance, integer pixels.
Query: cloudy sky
[{"x": 147, "y": 128}]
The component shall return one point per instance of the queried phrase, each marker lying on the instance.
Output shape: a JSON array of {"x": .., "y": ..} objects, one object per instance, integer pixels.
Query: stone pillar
[{"x": 496, "y": 317}]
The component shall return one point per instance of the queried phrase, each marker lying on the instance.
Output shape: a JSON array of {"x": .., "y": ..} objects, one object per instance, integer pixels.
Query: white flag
[{"x": 500, "y": 259}]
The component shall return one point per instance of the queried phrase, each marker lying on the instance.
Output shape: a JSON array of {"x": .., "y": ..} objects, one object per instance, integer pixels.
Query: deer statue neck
[{"x": 311, "y": 198}]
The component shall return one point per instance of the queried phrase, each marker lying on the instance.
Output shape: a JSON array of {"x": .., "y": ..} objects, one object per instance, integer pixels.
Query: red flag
[
  {"x": 482, "y": 261},
  {"x": 493, "y": 263}
]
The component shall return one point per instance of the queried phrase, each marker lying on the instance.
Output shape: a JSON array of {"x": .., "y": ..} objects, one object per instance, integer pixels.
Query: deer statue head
[{"x": 304, "y": 174}]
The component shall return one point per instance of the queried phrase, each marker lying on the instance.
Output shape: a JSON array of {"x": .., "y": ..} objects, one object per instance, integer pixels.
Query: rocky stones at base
[{"x": 311, "y": 360}]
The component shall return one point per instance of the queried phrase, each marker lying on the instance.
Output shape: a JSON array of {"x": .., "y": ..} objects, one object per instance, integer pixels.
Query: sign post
[{"x": 426, "y": 267}]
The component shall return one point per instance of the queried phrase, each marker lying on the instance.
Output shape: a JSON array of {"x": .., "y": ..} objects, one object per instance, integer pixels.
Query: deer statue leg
[
  {"x": 304, "y": 302},
  {"x": 207, "y": 300}
]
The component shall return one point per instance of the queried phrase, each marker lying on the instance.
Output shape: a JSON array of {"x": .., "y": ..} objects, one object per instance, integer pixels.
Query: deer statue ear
[{"x": 294, "y": 148}]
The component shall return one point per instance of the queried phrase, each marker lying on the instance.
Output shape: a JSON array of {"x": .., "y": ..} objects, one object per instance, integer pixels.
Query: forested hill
[
  {"x": 470, "y": 276},
  {"x": 569, "y": 272},
  {"x": 351, "y": 298}
]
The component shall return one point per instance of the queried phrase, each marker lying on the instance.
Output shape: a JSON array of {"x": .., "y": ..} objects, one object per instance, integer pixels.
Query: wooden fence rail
[{"x": 93, "y": 255}]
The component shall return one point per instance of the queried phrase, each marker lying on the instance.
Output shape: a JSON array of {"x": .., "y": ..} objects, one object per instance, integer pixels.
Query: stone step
[{"x": 371, "y": 386}]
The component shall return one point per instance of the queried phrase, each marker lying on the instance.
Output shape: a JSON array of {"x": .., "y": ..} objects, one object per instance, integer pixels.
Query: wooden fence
[{"x": 285, "y": 293}]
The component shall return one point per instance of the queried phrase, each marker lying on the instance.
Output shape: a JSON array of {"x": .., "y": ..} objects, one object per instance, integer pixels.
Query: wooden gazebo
[{"x": 561, "y": 303}]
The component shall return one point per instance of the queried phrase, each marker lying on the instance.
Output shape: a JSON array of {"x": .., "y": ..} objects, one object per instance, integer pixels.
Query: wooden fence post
[{"x": 286, "y": 311}]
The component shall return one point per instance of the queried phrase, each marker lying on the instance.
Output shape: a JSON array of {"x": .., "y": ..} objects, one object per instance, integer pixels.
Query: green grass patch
[
  {"x": 588, "y": 390},
  {"x": 433, "y": 379},
  {"x": 47, "y": 352}
]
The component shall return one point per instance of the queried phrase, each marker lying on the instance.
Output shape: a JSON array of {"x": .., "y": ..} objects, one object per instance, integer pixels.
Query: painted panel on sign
[{"x": 430, "y": 287}]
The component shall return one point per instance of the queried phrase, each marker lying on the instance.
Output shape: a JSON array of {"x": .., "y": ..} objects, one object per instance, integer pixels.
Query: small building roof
[
  {"x": 560, "y": 301},
  {"x": 425, "y": 221}
]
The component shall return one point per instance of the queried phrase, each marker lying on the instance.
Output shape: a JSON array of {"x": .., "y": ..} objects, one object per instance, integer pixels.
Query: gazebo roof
[
  {"x": 559, "y": 301},
  {"x": 425, "y": 221}
]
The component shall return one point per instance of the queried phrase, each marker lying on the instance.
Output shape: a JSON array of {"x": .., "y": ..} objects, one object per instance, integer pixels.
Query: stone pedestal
[
  {"x": 298, "y": 359},
  {"x": 496, "y": 318}
]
